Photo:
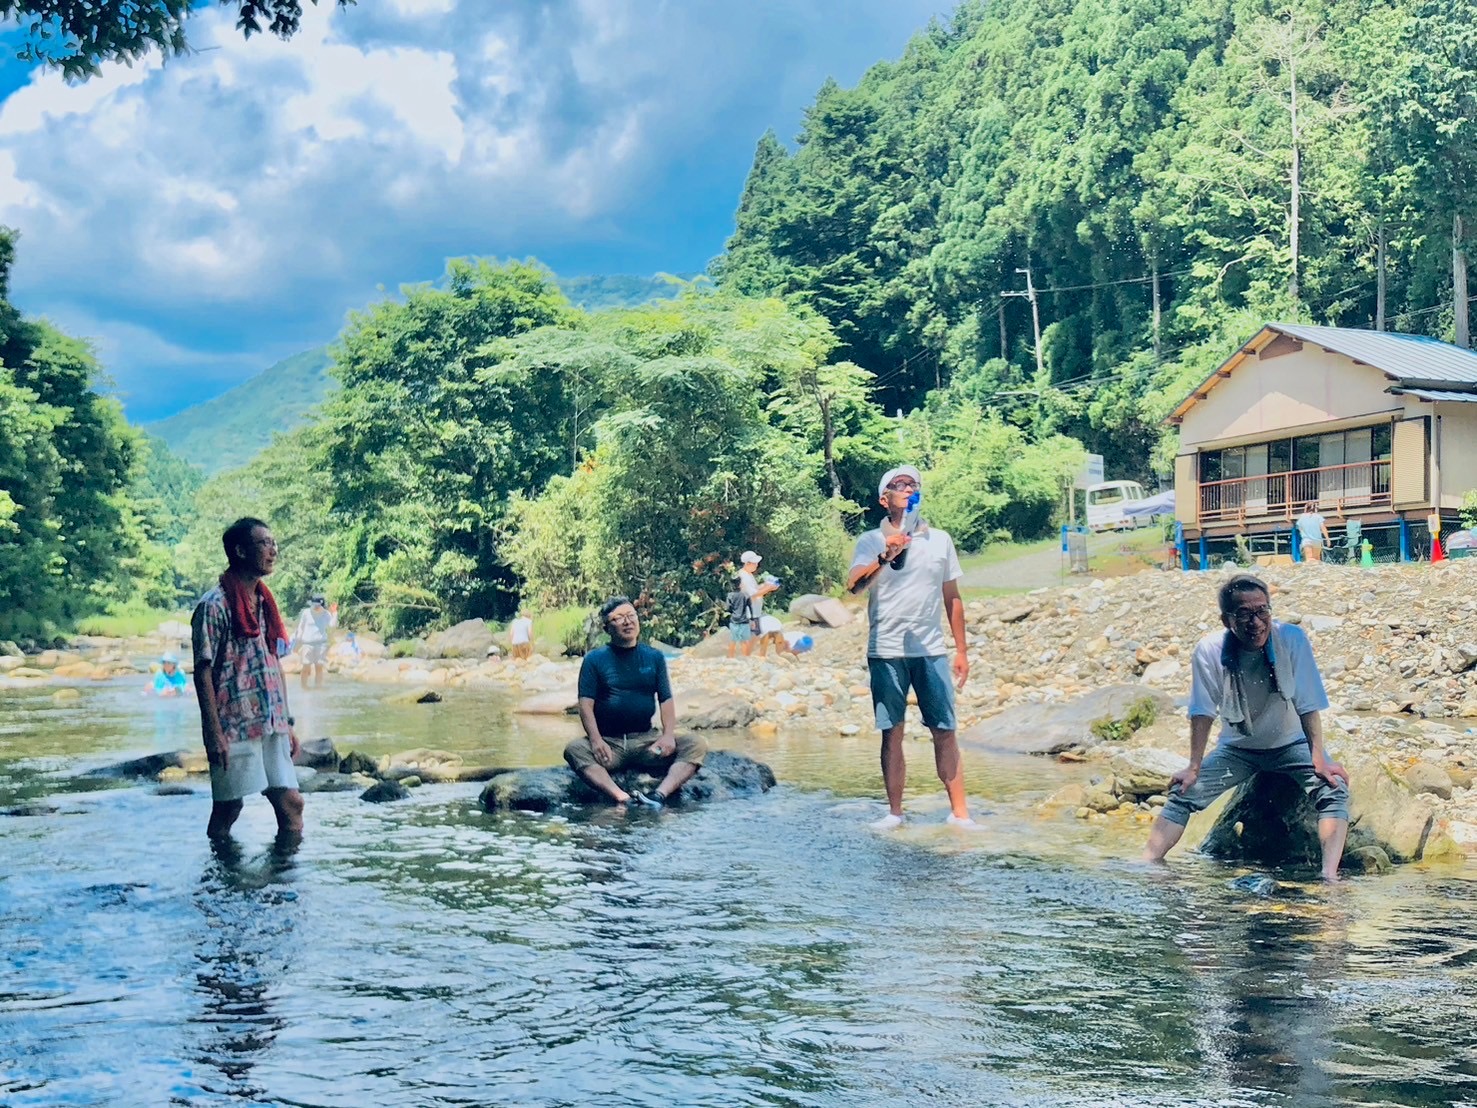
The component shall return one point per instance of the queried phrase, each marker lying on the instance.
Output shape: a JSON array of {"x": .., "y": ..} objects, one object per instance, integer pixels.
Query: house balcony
[{"x": 1281, "y": 496}]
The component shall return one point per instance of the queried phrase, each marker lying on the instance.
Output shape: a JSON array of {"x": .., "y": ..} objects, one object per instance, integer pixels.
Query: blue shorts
[
  {"x": 929, "y": 678},
  {"x": 739, "y": 632}
]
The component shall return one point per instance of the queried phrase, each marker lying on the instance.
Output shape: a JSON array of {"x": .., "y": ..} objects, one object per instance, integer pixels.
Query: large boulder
[
  {"x": 1269, "y": 820},
  {"x": 1145, "y": 771},
  {"x": 724, "y": 775},
  {"x": 382, "y": 792},
  {"x": 173, "y": 629},
  {"x": 468, "y": 639},
  {"x": 560, "y": 702},
  {"x": 9, "y": 649},
  {"x": 422, "y": 762},
  {"x": 317, "y": 754},
  {"x": 1050, "y": 728},
  {"x": 825, "y": 610},
  {"x": 713, "y": 713}
]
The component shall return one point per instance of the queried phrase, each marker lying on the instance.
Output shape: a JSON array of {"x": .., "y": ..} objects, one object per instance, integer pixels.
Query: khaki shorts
[
  {"x": 254, "y": 768},
  {"x": 634, "y": 752}
]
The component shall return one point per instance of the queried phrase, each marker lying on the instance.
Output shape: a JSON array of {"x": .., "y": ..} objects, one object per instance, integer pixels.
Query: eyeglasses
[
  {"x": 903, "y": 484},
  {"x": 265, "y": 544},
  {"x": 624, "y": 617},
  {"x": 1248, "y": 615}
]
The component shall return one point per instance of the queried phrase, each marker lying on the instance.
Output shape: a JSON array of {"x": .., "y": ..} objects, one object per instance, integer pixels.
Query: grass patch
[
  {"x": 126, "y": 621},
  {"x": 1140, "y": 714},
  {"x": 1005, "y": 551}
]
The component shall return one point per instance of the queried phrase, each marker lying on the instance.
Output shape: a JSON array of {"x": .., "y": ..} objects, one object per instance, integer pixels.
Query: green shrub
[{"x": 1140, "y": 714}]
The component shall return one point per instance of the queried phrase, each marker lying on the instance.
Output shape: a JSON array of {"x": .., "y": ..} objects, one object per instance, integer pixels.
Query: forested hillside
[
  {"x": 1155, "y": 179},
  {"x": 228, "y": 430}
]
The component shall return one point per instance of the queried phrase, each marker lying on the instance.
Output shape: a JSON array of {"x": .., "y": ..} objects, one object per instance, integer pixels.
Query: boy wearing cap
[
  {"x": 752, "y": 588},
  {"x": 906, "y": 604},
  {"x": 170, "y": 680}
]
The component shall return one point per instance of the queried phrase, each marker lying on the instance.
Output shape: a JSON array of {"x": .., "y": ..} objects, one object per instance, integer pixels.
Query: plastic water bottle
[{"x": 909, "y": 525}]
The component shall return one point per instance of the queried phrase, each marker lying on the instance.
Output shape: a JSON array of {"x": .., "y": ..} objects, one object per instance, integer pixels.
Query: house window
[{"x": 1210, "y": 466}]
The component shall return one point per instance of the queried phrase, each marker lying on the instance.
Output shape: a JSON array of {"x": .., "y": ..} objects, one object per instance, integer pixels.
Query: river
[{"x": 765, "y": 952}]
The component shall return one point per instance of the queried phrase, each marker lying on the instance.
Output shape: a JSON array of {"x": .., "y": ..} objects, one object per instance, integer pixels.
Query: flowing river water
[{"x": 768, "y": 951}]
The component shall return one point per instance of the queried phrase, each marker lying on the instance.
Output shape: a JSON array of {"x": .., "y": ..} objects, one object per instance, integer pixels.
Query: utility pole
[{"x": 1030, "y": 294}]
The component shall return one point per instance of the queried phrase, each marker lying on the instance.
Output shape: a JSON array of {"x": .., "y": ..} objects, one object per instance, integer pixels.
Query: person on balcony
[{"x": 1312, "y": 531}]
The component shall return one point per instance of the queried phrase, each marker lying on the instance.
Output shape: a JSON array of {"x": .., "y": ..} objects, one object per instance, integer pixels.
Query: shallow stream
[{"x": 755, "y": 952}]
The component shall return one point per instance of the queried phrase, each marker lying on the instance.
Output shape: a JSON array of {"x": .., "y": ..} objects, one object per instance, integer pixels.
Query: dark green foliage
[
  {"x": 1104, "y": 145},
  {"x": 77, "y": 36}
]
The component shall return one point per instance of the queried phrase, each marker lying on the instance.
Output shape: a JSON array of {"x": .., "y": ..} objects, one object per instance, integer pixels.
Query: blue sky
[{"x": 203, "y": 218}]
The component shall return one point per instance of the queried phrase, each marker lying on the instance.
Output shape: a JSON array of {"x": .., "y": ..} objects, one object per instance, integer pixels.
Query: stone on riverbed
[
  {"x": 382, "y": 792},
  {"x": 703, "y": 713},
  {"x": 335, "y": 783},
  {"x": 1269, "y": 821},
  {"x": 1050, "y": 728},
  {"x": 317, "y": 754},
  {"x": 723, "y": 776},
  {"x": 152, "y": 765}
]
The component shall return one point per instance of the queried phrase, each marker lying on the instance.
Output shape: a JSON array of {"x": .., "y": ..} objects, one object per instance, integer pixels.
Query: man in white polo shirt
[{"x": 913, "y": 574}]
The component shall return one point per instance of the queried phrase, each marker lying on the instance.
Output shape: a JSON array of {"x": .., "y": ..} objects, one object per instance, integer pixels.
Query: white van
[{"x": 1106, "y": 501}]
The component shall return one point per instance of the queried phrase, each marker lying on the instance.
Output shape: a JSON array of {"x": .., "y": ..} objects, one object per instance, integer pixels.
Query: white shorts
[{"x": 254, "y": 768}]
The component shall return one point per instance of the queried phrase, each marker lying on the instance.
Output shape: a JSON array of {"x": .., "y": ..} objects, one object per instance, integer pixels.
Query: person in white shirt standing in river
[{"x": 913, "y": 575}]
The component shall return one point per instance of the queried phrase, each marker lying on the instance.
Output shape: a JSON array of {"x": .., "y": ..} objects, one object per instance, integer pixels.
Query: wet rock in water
[
  {"x": 1367, "y": 859},
  {"x": 150, "y": 765},
  {"x": 1050, "y": 728},
  {"x": 22, "y": 810},
  {"x": 716, "y": 713},
  {"x": 1145, "y": 771},
  {"x": 174, "y": 789},
  {"x": 1269, "y": 821},
  {"x": 1257, "y": 884},
  {"x": 559, "y": 702},
  {"x": 334, "y": 783},
  {"x": 355, "y": 762},
  {"x": 66, "y": 696},
  {"x": 1423, "y": 777},
  {"x": 382, "y": 792},
  {"x": 724, "y": 775},
  {"x": 317, "y": 754},
  {"x": 422, "y": 762},
  {"x": 417, "y": 696},
  {"x": 172, "y": 775}
]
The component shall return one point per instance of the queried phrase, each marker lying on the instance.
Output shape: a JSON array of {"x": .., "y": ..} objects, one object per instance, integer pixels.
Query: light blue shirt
[
  {"x": 1290, "y": 654},
  {"x": 1310, "y": 528}
]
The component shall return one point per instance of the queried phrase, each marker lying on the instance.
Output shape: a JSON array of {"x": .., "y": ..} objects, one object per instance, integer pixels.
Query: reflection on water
[{"x": 766, "y": 952}]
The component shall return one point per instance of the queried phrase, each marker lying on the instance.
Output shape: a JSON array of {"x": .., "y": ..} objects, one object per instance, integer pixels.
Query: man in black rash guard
[{"x": 620, "y": 685}]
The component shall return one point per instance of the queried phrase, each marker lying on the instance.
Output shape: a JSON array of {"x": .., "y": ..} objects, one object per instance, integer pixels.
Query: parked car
[{"x": 1107, "y": 504}]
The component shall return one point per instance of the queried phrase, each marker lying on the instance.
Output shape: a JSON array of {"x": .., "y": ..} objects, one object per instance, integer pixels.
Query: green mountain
[{"x": 230, "y": 429}]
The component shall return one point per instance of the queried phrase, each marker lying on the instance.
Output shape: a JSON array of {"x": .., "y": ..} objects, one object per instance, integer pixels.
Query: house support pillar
[
  {"x": 1404, "y": 539},
  {"x": 1204, "y": 553}
]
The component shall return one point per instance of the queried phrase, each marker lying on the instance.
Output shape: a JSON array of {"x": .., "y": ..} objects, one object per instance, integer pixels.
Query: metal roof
[
  {"x": 1416, "y": 365},
  {"x": 1398, "y": 356},
  {"x": 1443, "y": 395}
]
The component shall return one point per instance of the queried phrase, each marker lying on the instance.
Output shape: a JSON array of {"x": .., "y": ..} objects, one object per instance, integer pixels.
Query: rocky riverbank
[{"x": 1397, "y": 645}]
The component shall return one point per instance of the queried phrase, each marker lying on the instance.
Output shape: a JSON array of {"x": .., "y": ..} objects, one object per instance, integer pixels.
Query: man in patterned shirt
[{"x": 238, "y": 637}]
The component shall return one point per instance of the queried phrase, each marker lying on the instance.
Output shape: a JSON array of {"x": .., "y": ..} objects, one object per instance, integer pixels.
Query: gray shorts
[
  {"x": 254, "y": 767},
  {"x": 1225, "y": 767},
  {"x": 929, "y": 678},
  {"x": 315, "y": 653}
]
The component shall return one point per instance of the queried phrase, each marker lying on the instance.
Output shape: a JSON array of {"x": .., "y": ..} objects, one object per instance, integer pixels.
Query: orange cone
[{"x": 1437, "y": 554}]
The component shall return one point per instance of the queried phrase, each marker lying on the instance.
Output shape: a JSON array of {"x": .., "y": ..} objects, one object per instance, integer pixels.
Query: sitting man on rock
[
  {"x": 1259, "y": 676},
  {"x": 620, "y": 685}
]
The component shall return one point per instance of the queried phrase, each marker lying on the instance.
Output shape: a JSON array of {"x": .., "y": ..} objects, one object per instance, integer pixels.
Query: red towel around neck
[{"x": 242, "y": 602}]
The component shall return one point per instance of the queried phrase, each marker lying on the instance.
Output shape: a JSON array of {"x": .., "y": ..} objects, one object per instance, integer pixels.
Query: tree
[{"x": 78, "y": 36}]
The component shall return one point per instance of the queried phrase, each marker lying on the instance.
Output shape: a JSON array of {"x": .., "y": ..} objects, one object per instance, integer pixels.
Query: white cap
[
  {"x": 749, "y": 556},
  {"x": 169, "y": 659},
  {"x": 893, "y": 474}
]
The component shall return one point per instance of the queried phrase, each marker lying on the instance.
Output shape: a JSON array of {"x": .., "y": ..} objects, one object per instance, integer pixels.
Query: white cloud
[{"x": 256, "y": 189}]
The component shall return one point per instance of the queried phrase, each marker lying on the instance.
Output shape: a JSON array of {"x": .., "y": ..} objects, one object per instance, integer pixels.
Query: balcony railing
[{"x": 1283, "y": 495}]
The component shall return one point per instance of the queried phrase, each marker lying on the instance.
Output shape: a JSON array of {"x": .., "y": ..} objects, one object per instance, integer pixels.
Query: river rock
[
  {"x": 1143, "y": 772},
  {"x": 1423, "y": 777},
  {"x": 34, "y": 809},
  {"x": 1165, "y": 669},
  {"x": 1050, "y": 728},
  {"x": 317, "y": 754},
  {"x": 30, "y": 672},
  {"x": 559, "y": 702},
  {"x": 468, "y": 639},
  {"x": 715, "y": 713},
  {"x": 355, "y": 762},
  {"x": 416, "y": 696},
  {"x": 335, "y": 783},
  {"x": 422, "y": 762},
  {"x": 724, "y": 775},
  {"x": 150, "y": 765},
  {"x": 382, "y": 792},
  {"x": 9, "y": 649},
  {"x": 50, "y": 659},
  {"x": 66, "y": 696},
  {"x": 1382, "y": 809},
  {"x": 174, "y": 788}
]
